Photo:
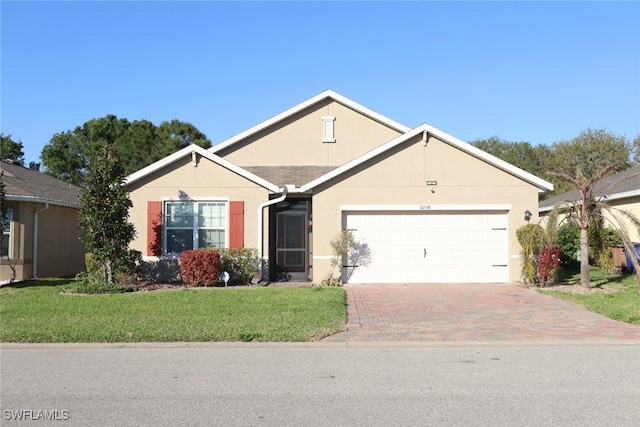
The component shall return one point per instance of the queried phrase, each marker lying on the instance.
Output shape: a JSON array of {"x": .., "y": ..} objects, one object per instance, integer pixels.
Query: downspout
[
  {"x": 261, "y": 231},
  {"x": 34, "y": 273}
]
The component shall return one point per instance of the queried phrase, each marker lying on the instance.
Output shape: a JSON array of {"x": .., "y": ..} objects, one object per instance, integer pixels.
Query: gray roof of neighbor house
[
  {"x": 618, "y": 186},
  {"x": 284, "y": 175},
  {"x": 23, "y": 184}
]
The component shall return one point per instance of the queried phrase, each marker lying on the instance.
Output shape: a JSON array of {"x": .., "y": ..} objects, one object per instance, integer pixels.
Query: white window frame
[
  {"x": 8, "y": 233},
  {"x": 195, "y": 226},
  {"x": 328, "y": 129}
]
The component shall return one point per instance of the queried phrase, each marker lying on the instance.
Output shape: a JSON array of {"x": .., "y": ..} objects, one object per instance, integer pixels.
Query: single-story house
[
  {"x": 424, "y": 205},
  {"x": 41, "y": 237},
  {"x": 621, "y": 191}
]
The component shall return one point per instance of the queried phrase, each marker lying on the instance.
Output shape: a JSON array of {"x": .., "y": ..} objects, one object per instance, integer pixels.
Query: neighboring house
[
  {"x": 426, "y": 206},
  {"x": 621, "y": 191},
  {"x": 42, "y": 236}
]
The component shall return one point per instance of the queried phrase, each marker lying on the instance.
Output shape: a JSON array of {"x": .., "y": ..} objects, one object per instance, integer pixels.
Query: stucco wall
[
  {"x": 206, "y": 180},
  {"x": 399, "y": 178},
  {"x": 60, "y": 251},
  {"x": 631, "y": 205},
  {"x": 298, "y": 140}
]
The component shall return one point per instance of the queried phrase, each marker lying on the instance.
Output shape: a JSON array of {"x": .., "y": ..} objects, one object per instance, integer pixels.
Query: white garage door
[{"x": 428, "y": 247}]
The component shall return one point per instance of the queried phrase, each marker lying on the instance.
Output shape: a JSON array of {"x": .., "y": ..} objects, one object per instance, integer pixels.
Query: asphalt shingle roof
[
  {"x": 25, "y": 183},
  {"x": 627, "y": 180},
  {"x": 283, "y": 175}
]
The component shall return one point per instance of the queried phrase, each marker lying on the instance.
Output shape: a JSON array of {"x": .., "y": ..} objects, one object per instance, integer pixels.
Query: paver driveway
[{"x": 470, "y": 312}]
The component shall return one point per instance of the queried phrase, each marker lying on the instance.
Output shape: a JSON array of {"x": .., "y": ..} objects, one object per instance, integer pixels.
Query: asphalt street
[{"x": 320, "y": 384}]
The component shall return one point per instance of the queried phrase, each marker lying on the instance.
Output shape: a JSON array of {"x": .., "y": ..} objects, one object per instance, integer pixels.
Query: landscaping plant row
[{"x": 203, "y": 267}]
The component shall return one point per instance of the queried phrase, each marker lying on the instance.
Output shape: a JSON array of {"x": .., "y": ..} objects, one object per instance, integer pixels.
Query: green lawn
[
  {"x": 621, "y": 303},
  {"x": 36, "y": 312}
]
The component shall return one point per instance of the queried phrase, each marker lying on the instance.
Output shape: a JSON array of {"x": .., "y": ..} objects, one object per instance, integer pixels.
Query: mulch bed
[{"x": 155, "y": 286}]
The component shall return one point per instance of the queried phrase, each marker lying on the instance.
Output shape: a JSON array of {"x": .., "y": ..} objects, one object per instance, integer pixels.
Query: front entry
[{"x": 292, "y": 241}]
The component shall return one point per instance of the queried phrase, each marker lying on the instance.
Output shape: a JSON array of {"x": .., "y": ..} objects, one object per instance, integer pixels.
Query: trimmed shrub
[
  {"x": 240, "y": 263},
  {"x": 200, "y": 267}
]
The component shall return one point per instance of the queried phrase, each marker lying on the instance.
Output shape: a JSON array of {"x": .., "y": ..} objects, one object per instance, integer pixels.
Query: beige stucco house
[
  {"x": 41, "y": 237},
  {"x": 424, "y": 205}
]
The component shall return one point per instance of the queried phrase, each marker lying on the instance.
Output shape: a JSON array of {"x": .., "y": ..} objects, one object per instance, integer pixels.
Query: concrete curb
[{"x": 351, "y": 344}]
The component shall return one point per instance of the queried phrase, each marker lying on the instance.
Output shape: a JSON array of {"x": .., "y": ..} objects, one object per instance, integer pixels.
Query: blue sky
[{"x": 523, "y": 71}]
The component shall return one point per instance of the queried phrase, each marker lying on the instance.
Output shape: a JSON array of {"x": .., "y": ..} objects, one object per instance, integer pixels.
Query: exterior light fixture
[{"x": 527, "y": 215}]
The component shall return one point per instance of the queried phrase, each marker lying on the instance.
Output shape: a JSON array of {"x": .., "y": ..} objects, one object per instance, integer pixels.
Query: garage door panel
[{"x": 429, "y": 247}]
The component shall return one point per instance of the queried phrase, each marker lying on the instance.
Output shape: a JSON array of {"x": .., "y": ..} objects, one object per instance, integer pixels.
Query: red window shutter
[
  {"x": 154, "y": 228},
  {"x": 236, "y": 224}
]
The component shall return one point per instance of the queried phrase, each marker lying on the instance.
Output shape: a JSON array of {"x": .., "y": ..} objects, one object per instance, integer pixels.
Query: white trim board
[{"x": 423, "y": 208}]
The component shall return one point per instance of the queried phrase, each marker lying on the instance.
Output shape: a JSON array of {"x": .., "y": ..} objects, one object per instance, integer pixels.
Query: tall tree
[
  {"x": 176, "y": 134},
  {"x": 636, "y": 149},
  {"x": 590, "y": 151},
  {"x": 521, "y": 154},
  {"x": 138, "y": 144},
  {"x": 11, "y": 150},
  {"x": 104, "y": 211},
  {"x": 64, "y": 157}
]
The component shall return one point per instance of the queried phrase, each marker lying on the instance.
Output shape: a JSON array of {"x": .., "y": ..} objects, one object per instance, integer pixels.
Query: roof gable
[
  {"x": 196, "y": 149},
  {"x": 22, "y": 184},
  {"x": 427, "y": 131},
  {"x": 328, "y": 94}
]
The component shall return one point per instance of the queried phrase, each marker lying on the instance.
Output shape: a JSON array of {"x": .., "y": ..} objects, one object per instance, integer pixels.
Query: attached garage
[{"x": 426, "y": 244}]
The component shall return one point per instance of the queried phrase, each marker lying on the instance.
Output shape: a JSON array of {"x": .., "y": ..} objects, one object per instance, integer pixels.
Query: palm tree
[{"x": 589, "y": 206}]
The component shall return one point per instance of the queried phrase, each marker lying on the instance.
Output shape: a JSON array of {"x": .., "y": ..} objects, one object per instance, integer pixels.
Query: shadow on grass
[
  {"x": 571, "y": 276},
  {"x": 39, "y": 283}
]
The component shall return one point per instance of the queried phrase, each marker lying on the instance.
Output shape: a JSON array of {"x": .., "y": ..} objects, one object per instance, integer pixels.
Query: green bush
[
  {"x": 569, "y": 241},
  {"x": 127, "y": 270},
  {"x": 85, "y": 284},
  {"x": 600, "y": 241},
  {"x": 240, "y": 263}
]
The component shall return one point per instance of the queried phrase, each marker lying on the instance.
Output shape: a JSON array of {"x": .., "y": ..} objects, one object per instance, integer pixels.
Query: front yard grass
[
  {"x": 614, "y": 295},
  {"x": 36, "y": 312}
]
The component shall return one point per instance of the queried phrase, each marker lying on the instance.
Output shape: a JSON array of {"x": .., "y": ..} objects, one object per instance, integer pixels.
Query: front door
[{"x": 291, "y": 246}]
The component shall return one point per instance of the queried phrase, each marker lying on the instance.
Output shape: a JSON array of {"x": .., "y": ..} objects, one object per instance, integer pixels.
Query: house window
[
  {"x": 5, "y": 238},
  {"x": 328, "y": 129},
  {"x": 193, "y": 225}
]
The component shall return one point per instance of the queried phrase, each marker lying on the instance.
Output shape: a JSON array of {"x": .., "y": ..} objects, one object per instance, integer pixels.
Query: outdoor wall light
[{"x": 527, "y": 215}]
